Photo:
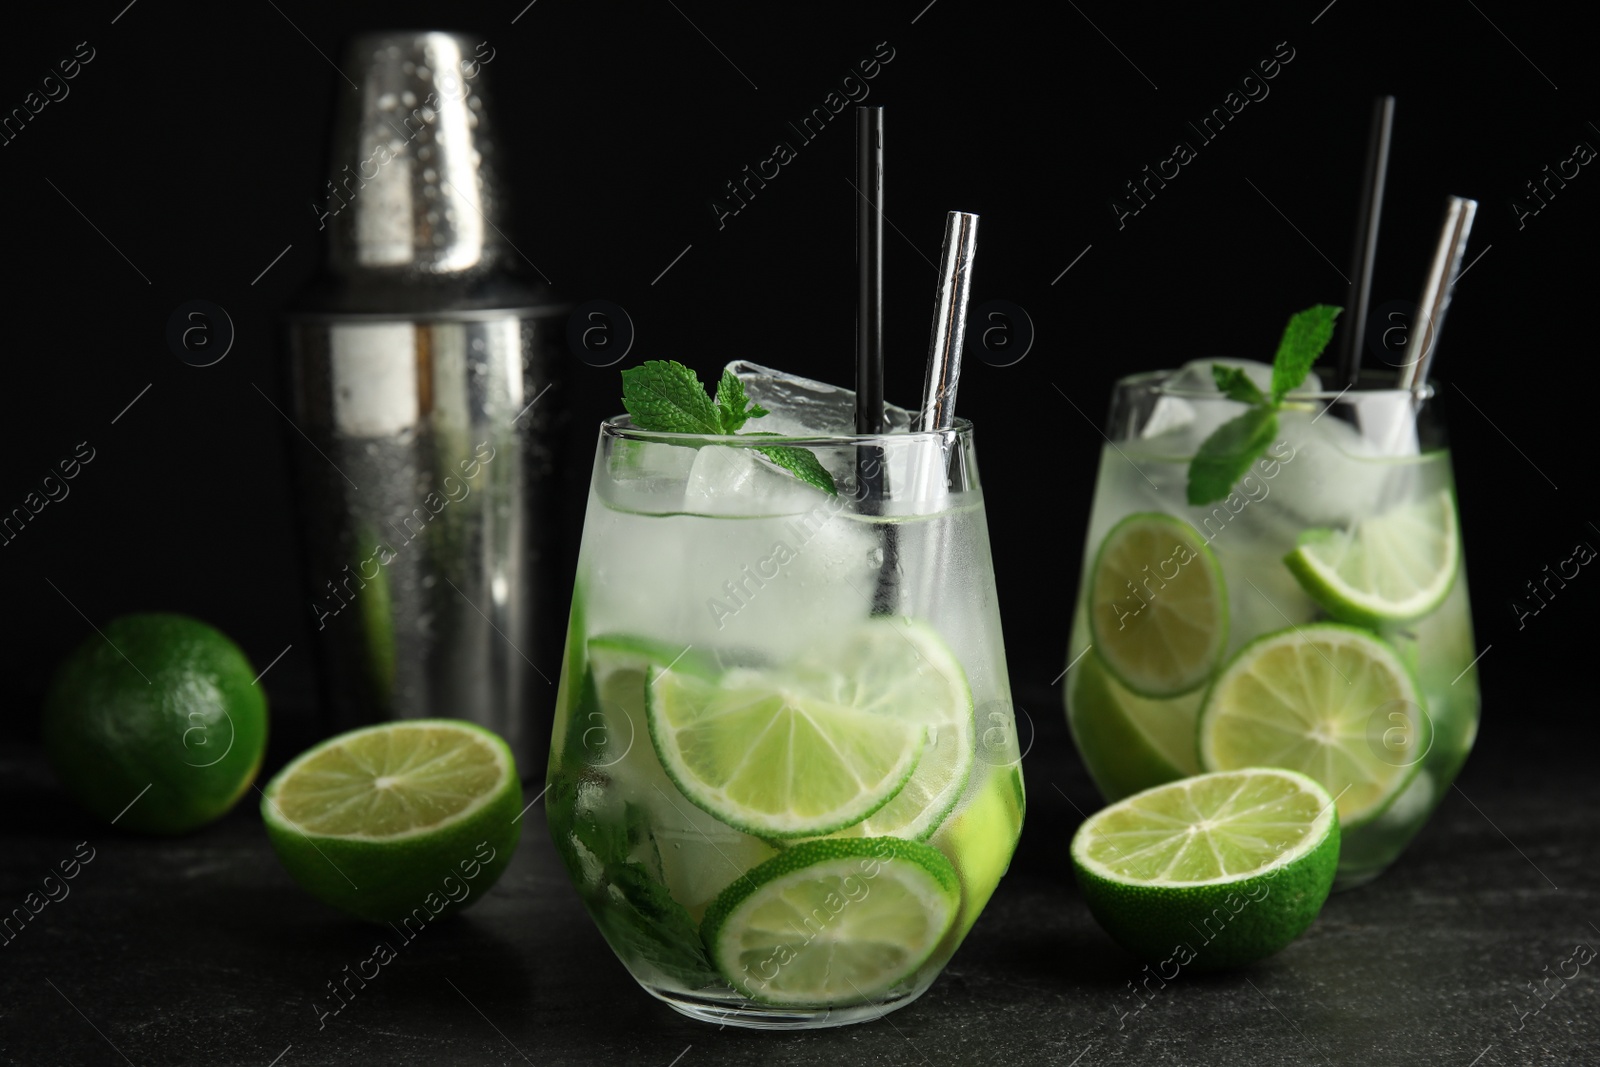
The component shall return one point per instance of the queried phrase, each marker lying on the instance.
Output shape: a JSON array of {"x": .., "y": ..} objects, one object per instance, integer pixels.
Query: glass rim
[
  {"x": 1152, "y": 379},
  {"x": 620, "y": 427}
]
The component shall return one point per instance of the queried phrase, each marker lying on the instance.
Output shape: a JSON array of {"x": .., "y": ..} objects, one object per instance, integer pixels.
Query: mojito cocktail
[
  {"x": 784, "y": 773},
  {"x": 1312, "y": 616}
]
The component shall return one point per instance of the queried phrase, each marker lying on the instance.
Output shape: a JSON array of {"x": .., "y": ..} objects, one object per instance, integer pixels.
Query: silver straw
[
  {"x": 949, "y": 321},
  {"x": 1436, "y": 291}
]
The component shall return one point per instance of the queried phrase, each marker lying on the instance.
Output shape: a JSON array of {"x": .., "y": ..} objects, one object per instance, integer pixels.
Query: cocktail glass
[
  {"x": 784, "y": 773},
  {"x": 1316, "y": 617}
]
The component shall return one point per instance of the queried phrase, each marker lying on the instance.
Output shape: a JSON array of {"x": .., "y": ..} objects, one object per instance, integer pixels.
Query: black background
[{"x": 195, "y": 139}]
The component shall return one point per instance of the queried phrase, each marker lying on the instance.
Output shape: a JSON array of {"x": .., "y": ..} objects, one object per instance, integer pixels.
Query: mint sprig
[
  {"x": 1225, "y": 456},
  {"x": 665, "y": 396}
]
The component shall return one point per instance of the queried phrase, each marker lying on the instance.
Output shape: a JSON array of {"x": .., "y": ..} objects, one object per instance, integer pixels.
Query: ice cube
[
  {"x": 738, "y": 481},
  {"x": 1197, "y": 420},
  {"x": 798, "y": 406},
  {"x": 1338, "y": 474}
]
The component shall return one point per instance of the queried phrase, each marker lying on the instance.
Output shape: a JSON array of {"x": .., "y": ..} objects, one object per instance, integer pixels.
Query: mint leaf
[
  {"x": 665, "y": 396},
  {"x": 1226, "y": 455},
  {"x": 800, "y": 462},
  {"x": 647, "y": 923},
  {"x": 629, "y": 903},
  {"x": 1234, "y": 382},
  {"x": 1303, "y": 341},
  {"x": 733, "y": 406}
]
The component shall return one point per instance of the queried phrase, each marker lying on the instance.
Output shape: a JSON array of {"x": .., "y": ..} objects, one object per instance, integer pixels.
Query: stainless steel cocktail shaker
[{"x": 423, "y": 374}]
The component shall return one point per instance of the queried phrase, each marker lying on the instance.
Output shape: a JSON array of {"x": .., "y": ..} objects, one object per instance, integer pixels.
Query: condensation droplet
[
  {"x": 408, "y": 98},
  {"x": 386, "y": 102}
]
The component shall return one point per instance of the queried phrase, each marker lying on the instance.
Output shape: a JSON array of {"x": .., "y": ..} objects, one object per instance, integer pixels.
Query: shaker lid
[{"x": 413, "y": 187}]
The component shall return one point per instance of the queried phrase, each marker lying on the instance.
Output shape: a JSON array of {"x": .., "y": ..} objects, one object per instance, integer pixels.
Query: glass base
[{"x": 730, "y": 1011}]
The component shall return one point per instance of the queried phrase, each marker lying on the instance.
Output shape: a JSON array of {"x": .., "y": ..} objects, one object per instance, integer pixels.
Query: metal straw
[
  {"x": 1366, "y": 241},
  {"x": 1436, "y": 291},
  {"x": 949, "y": 321}
]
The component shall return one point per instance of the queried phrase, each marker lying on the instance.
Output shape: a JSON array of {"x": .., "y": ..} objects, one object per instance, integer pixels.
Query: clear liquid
[
  {"x": 758, "y": 592},
  {"x": 1250, "y": 533}
]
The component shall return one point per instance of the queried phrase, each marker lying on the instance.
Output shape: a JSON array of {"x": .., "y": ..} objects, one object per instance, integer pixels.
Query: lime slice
[
  {"x": 777, "y": 755},
  {"x": 1158, "y": 608},
  {"x": 1212, "y": 871},
  {"x": 386, "y": 820},
  {"x": 817, "y": 746},
  {"x": 1318, "y": 699},
  {"x": 914, "y": 676},
  {"x": 982, "y": 836},
  {"x": 610, "y": 725},
  {"x": 1392, "y": 568},
  {"x": 834, "y": 922},
  {"x": 1127, "y": 741},
  {"x": 699, "y": 855}
]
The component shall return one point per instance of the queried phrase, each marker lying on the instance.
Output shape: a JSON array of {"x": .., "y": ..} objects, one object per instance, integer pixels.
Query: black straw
[
  {"x": 870, "y": 459},
  {"x": 869, "y": 270},
  {"x": 1366, "y": 242}
]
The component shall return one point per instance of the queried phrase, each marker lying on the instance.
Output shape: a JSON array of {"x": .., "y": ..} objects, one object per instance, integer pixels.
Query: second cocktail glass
[
  {"x": 1315, "y": 617},
  {"x": 784, "y": 774}
]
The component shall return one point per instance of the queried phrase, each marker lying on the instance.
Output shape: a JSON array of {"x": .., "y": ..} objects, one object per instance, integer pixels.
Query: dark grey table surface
[{"x": 200, "y": 950}]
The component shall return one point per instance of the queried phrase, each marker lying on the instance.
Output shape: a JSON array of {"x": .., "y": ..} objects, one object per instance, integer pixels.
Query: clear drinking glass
[
  {"x": 784, "y": 773},
  {"x": 1174, "y": 597}
]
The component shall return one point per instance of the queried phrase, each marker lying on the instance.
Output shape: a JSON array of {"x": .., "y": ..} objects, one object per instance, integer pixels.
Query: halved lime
[
  {"x": 1392, "y": 568},
  {"x": 834, "y": 922},
  {"x": 1127, "y": 741},
  {"x": 383, "y": 821},
  {"x": 1158, "y": 607},
  {"x": 1212, "y": 871},
  {"x": 1310, "y": 698},
  {"x": 913, "y": 675}
]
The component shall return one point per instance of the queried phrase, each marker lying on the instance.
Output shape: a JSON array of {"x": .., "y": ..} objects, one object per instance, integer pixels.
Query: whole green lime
[{"x": 156, "y": 723}]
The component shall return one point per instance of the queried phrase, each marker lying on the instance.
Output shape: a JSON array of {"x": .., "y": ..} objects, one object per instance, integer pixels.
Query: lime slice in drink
[
  {"x": 699, "y": 855},
  {"x": 984, "y": 835},
  {"x": 1212, "y": 871},
  {"x": 1392, "y": 568},
  {"x": 609, "y": 726},
  {"x": 819, "y": 745},
  {"x": 1318, "y": 699},
  {"x": 834, "y": 922},
  {"x": 779, "y": 754},
  {"x": 382, "y": 821},
  {"x": 1158, "y": 608},
  {"x": 1127, "y": 741},
  {"x": 903, "y": 669}
]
